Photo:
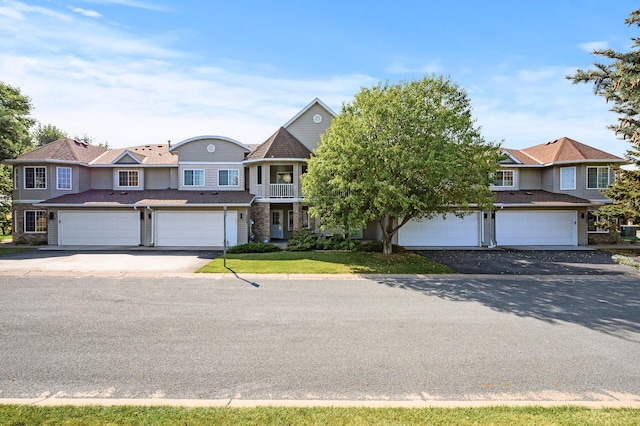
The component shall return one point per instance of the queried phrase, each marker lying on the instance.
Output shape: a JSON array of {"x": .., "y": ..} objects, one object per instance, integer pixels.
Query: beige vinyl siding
[
  {"x": 52, "y": 227},
  {"x": 547, "y": 180},
  {"x": 83, "y": 176},
  {"x": 127, "y": 159},
  {"x": 530, "y": 179},
  {"x": 102, "y": 178},
  {"x": 196, "y": 151},
  {"x": 306, "y": 130},
  {"x": 583, "y": 234},
  {"x": 243, "y": 226},
  {"x": 158, "y": 178},
  {"x": 211, "y": 176}
]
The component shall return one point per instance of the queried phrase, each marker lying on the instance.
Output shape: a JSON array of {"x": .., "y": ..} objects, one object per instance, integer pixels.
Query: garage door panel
[
  {"x": 195, "y": 229},
  {"x": 449, "y": 232},
  {"x": 99, "y": 228},
  {"x": 536, "y": 228}
]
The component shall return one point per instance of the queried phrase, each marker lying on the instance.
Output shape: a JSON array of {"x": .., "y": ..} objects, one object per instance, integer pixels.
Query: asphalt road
[{"x": 450, "y": 338}]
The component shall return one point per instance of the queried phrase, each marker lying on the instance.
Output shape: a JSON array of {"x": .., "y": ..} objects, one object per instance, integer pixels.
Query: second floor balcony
[{"x": 278, "y": 190}]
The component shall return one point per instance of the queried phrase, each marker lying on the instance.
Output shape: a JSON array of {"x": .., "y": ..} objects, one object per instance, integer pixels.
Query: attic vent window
[
  {"x": 211, "y": 148},
  {"x": 317, "y": 119}
]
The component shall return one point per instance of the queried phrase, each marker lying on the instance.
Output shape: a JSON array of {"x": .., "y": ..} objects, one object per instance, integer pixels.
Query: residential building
[{"x": 206, "y": 189}]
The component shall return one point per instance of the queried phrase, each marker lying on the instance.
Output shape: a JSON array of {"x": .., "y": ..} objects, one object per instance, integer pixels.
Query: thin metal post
[{"x": 224, "y": 250}]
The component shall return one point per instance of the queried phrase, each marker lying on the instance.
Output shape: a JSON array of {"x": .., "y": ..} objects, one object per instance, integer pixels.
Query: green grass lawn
[
  {"x": 326, "y": 262},
  {"x": 138, "y": 415}
]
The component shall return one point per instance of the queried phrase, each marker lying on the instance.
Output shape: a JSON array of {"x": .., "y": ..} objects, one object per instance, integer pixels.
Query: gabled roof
[
  {"x": 143, "y": 154},
  {"x": 281, "y": 144},
  {"x": 66, "y": 150},
  {"x": 312, "y": 103},
  {"x": 565, "y": 150}
]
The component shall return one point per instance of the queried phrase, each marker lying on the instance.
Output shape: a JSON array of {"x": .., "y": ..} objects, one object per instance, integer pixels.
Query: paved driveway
[
  {"x": 143, "y": 261},
  {"x": 529, "y": 262}
]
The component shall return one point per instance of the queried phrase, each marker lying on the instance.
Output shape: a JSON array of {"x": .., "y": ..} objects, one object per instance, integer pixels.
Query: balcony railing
[
  {"x": 276, "y": 190},
  {"x": 281, "y": 190}
]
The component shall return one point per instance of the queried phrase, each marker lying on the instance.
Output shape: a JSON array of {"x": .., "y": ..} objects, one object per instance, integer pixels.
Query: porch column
[
  {"x": 296, "y": 190},
  {"x": 266, "y": 182}
]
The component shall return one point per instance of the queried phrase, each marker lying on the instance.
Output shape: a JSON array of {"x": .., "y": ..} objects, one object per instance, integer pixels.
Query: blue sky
[{"x": 132, "y": 72}]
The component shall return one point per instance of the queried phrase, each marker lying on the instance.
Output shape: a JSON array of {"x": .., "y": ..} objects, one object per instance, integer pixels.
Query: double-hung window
[
  {"x": 567, "y": 178},
  {"x": 63, "y": 178},
  {"x": 35, "y": 177},
  {"x": 228, "y": 177},
  {"x": 35, "y": 221},
  {"x": 597, "y": 177},
  {"x": 193, "y": 177},
  {"x": 128, "y": 178},
  {"x": 503, "y": 178}
]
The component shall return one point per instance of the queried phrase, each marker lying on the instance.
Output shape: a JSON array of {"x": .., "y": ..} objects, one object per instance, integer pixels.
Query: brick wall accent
[
  {"x": 297, "y": 216},
  {"x": 604, "y": 238},
  {"x": 17, "y": 231},
  {"x": 261, "y": 215}
]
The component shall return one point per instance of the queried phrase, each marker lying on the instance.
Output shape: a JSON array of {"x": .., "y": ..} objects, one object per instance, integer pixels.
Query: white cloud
[
  {"x": 133, "y": 3},
  {"x": 589, "y": 47},
  {"x": 85, "y": 12}
]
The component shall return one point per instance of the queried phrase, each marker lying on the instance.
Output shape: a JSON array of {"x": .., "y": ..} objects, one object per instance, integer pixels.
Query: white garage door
[
  {"x": 195, "y": 229},
  {"x": 449, "y": 232},
  {"x": 548, "y": 228},
  {"x": 98, "y": 227}
]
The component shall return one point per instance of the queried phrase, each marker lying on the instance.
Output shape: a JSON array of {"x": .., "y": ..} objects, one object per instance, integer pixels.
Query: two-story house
[
  {"x": 545, "y": 195},
  {"x": 206, "y": 189}
]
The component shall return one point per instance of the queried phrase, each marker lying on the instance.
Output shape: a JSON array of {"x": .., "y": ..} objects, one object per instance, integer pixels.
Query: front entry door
[{"x": 276, "y": 224}]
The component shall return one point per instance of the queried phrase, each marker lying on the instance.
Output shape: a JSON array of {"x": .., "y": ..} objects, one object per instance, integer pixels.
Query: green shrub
[
  {"x": 253, "y": 247},
  {"x": 303, "y": 240},
  {"x": 377, "y": 246}
]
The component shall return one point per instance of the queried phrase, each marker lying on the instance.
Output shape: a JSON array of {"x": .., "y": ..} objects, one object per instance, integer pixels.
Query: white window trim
[
  {"x": 58, "y": 178},
  {"x": 598, "y": 229},
  {"x": 16, "y": 177},
  {"x": 565, "y": 188},
  {"x": 127, "y": 171},
  {"x": 229, "y": 170},
  {"x": 204, "y": 177},
  {"x": 513, "y": 179},
  {"x": 24, "y": 177},
  {"x": 598, "y": 167},
  {"x": 44, "y": 214}
]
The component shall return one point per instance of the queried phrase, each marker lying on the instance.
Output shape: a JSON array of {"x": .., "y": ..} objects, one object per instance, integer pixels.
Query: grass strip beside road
[
  {"x": 325, "y": 262},
  {"x": 145, "y": 415}
]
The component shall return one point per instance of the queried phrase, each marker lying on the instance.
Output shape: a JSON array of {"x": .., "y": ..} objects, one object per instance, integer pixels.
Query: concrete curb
[{"x": 243, "y": 403}]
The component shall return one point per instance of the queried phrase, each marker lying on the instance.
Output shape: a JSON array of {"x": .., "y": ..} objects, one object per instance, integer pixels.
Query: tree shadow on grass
[{"x": 606, "y": 304}]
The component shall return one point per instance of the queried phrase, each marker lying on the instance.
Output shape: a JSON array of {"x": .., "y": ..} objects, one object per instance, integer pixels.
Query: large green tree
[
  {"x": 399, "y": 152},
  {"x": 618, "y": 82},
  {"x": 15, "y": 122},
  {"x": 43, "y": 134}
]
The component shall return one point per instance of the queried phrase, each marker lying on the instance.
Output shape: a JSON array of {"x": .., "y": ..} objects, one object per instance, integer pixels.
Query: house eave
[
  {"x": 275, "y": 160},
  {"x": 144, "y": 205}
]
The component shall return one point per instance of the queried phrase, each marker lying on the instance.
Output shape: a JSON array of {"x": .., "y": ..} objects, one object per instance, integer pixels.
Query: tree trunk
[{"x": 386, "y": 225}]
